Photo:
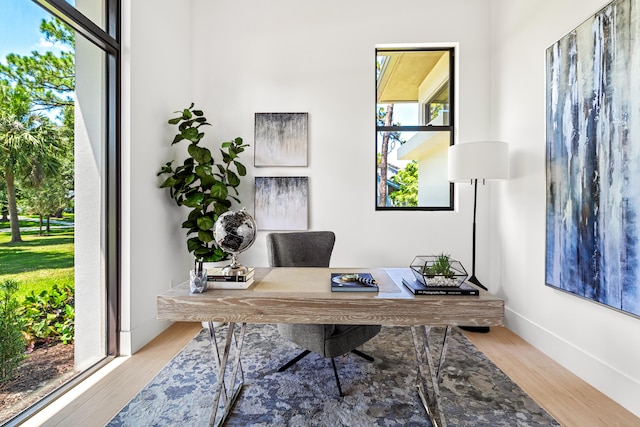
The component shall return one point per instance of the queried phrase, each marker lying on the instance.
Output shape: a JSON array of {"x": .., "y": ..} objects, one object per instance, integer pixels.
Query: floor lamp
[{"x": 473, "y": 161}]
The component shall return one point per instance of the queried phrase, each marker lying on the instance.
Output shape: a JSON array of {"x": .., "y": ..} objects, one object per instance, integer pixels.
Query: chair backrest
[{"x": 300, "y": 249}]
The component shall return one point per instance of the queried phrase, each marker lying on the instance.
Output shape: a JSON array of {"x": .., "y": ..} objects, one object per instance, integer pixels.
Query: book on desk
[
  {"x": 353, "y": 282},
  {"x": 418, "y": 288},
  {"x": 217, "y": 275},
  {"x": 216, "y": 279}
]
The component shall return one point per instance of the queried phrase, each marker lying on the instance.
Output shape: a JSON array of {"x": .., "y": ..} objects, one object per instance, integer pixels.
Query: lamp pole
[{"x": 473, "y": 279}]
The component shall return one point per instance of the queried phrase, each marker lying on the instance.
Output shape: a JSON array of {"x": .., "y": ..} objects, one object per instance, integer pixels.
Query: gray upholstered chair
[{"x": 313, "y": 249}]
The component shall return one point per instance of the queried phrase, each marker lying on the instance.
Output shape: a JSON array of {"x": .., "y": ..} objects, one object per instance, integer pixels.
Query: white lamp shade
[{"x": 487, "y": 160}]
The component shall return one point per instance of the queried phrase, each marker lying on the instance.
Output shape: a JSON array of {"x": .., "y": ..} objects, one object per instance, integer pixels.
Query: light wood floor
[{"x": 567, "y": 398}]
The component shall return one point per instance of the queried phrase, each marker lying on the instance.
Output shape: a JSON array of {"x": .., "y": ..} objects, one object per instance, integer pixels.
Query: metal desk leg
[
  {"x": 232, "y": 391},
  {"x": 428, "y": 375}
]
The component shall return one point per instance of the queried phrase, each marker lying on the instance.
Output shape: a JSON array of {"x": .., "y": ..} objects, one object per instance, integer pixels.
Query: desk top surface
[{"x": 303, "y": 295}]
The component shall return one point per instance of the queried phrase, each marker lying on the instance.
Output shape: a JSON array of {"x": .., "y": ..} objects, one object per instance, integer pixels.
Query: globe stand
[{"x": 234, "y": 269}]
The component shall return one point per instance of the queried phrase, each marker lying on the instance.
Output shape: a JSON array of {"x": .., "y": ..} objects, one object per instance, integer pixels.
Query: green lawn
[{"x": 38, "y": 262}]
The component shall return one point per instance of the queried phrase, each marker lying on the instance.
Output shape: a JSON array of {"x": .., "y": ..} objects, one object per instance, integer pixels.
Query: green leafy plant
[
  {"x": 440, "y": 267},
  {"x": 12, "y": 343},
  {"x": 202, "y": 183},
  {"x": 49, "y": 316},
  {"x": 407, "y": 180}
]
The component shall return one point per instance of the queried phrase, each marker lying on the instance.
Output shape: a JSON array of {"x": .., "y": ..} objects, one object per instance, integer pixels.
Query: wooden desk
[{"x": 303, "y": 295}]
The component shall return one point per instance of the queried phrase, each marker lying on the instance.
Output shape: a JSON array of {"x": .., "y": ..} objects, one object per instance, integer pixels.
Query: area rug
[{"x": 380, "y": 393}]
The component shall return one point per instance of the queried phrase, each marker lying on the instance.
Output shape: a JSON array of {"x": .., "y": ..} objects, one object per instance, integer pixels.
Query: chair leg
[
  {"x": 333, "y": 364},
  {"x": 293, "y": 361},
  {"x": 363, "y": 355},
  {"x": 335, "y": 371}
]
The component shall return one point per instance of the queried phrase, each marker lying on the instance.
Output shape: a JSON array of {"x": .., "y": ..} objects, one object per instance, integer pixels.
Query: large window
[
  {"x": 414, "y": 128},
  {"x": 68, "y": 79}
]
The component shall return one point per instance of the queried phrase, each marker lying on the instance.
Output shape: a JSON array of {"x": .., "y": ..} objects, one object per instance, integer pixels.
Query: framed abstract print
[
  {"x": 281, "y": 203},
  {"x": 593, "y": 159},
  {"x": 281, "y": 139}
]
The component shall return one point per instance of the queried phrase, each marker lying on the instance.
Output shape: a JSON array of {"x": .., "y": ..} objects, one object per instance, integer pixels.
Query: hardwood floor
[
  {"x": 565, "y": 396},
  {"x": 570, "y": 400},
  {"x": 100, "y": 402}
]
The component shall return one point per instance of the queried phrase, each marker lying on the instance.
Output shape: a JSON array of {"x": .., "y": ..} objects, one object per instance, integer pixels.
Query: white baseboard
[
  {"x": 133, "y": 340},
  {"x": 605, "y": 378}
]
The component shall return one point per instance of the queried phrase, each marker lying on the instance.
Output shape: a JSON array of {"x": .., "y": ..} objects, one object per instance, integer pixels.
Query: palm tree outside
[{"x": 28, "y": 146}]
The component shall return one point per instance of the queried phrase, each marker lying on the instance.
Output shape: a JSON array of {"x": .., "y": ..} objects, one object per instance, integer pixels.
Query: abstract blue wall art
[{"x": 593, "y": 159}]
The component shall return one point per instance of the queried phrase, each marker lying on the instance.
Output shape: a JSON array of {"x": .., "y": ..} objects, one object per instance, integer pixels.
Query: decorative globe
[{"x": 235, "y": 232}]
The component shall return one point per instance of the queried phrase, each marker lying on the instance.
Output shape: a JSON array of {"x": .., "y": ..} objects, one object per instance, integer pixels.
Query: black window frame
[{"x": 420, "y": 128}]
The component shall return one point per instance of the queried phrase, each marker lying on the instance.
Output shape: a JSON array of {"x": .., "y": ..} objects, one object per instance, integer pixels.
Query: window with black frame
[
  {"x": 59, "y": 158},
  {"x": 414, "y": 128}
]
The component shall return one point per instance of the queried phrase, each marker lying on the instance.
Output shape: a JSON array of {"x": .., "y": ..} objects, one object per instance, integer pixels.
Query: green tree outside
[
  {"x": 407, "y": 179},
  {"x": 28, "y": 147},
  {"x": 36, "y": 153}
]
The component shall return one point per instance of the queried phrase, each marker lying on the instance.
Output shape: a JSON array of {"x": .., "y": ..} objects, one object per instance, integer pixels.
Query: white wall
[
  {"x": 319, "y": 57},
  {"x": 597, "y": 343},
  {"x": 238, "y": 58},
  {"x": 282, "y": 56},
  {"x": 157, "y": 73}
]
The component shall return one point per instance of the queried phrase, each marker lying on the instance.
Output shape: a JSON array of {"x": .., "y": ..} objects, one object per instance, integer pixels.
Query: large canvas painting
[
  {"x": 281, "y": 203},
  {"x": 593, "y": 159},
  {"x": 281, "y": 139}
]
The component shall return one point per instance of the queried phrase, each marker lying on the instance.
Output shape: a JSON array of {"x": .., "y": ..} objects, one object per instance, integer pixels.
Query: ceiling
[{"x": 402, "y": 73}]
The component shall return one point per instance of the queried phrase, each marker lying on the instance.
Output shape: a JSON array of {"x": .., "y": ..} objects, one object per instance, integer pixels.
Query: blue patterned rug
[{"x": 380, "y": 393}]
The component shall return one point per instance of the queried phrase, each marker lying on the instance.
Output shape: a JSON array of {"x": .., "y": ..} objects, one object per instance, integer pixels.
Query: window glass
[
  {"x": 414, "y": 124},
  {"x": 92, "y": 9},
  {"x": 53, "y": 188},
  {"x": 437, "y": 108}
]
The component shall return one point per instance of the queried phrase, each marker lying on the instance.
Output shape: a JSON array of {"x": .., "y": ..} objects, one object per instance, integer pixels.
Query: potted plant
[
  {"x": 438, "y": 270},
  {"x": 440, "y": 266},
  {"x": 203, "y": 184}
]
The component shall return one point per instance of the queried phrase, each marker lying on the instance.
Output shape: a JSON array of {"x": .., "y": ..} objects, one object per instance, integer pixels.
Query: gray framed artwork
[
  {"x": 281, "y": 203},
  {"x": 281, "y": 139},
  {"x": 593, "y": 159}
]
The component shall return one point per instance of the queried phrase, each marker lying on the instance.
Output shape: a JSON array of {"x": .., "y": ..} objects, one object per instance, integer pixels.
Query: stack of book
[
  {"x": 216, "y": 279},
  {"x": 418, "y": 288}
]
